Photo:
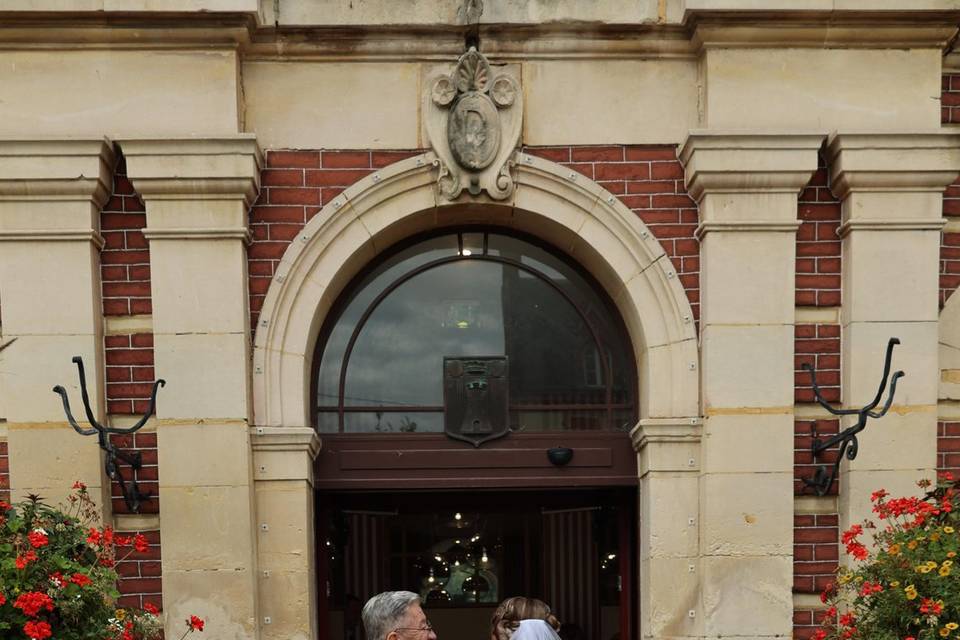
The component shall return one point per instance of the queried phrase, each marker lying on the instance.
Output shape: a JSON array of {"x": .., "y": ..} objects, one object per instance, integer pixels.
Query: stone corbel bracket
[{"x": 473, "y": 118}]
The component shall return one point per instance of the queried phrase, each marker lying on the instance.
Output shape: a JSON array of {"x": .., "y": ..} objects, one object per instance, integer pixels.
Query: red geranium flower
[
  {"x": 37, "y": 630},
  {"x": 80, "y": 579},
  {"x": 151, "y": 609},
  {"x": 195, "y": 623},
  {"x": 37, "y": 539},
  {"x": 25, "y": 559},
  {"x": 3, "y": 600},
  {"x": 32, "y": 602},
  {"x": 140, "y": 543}
]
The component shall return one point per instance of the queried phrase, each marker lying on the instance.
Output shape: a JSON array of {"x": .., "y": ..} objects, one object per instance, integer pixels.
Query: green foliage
[
  {"x": 906, "y": 588},
  {"x": 57, "y": 575}
]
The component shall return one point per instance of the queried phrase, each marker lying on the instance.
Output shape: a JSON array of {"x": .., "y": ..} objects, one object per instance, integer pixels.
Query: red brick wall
[
  {"x": 950, "y": 99},
  {"x": 140, "y": 576},
  {"x": 294, "y": 186},
  {"x": 125, "y": 259},
  {"x": 950, "y": 245},
  {"x": 4, "y": 472},
  {"x": 804, "y": 623},
  {"x": 125, "y": 274},
  {"x": 144, "y": 443},
  {"x": 815, "y": 557},
  {"x": 815, "y": 551},
  {"x": 648, "y": 179},
  {"x": 803, "y": 463},
  {"x": 948, "y": 446},
  {"x": 819, "y": 346},
  {"x": 130, "y": 373},
  {"x": 818, "y": 246}
]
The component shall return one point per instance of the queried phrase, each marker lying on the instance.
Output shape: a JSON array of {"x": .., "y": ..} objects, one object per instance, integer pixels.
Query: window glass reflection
[{"x": 570, "y": 365}]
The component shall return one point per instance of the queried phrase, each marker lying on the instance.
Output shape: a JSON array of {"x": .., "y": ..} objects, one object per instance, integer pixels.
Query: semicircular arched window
[{"x": 474, "y": 293}]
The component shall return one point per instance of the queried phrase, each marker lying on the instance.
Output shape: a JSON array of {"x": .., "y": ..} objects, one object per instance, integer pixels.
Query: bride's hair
[{"x": 511, "y": 611}]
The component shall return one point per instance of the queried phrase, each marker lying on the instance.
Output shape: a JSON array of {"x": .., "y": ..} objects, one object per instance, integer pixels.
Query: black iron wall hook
[
  {"x": 132, "y": 495},
  {"x": 847, "y": 439}
]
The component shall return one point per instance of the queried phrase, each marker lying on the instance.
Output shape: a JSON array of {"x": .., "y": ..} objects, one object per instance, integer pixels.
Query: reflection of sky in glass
[
  {"x": 398, "y": 357},
  {"x": 473, "y": 308},
  {"x": 328, "y": 381}
]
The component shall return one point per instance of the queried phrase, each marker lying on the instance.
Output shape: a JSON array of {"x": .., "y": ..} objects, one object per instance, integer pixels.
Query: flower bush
[
  {"x": 58, "y": 578},
  {"x": 906, "y": 587}
]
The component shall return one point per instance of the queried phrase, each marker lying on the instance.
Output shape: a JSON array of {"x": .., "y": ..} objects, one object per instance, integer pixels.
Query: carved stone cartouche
[{"x": 474, "y": 125}]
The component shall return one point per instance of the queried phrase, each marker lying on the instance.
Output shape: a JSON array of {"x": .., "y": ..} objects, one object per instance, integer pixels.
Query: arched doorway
[
  {"x": 455, "y": 486},
  {"x": 559, "y": 209}
]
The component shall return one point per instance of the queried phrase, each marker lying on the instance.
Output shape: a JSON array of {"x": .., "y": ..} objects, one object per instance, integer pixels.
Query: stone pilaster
[
  {"x": 669, "y": 461},
  {"x": 283, "y": 471},
  {"x": 197, "y": 193},
  {"x": 891, "y": 185},
  {"x": 51, "y": 192},
  {"x": 747, "y": 186}
]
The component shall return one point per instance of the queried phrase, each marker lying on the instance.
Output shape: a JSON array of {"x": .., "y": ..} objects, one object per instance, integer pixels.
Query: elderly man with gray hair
[{"x": 396, "y": 615}]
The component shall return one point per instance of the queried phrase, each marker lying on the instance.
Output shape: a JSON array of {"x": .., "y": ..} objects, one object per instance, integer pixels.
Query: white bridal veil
[{"x": 534, "y": 630}]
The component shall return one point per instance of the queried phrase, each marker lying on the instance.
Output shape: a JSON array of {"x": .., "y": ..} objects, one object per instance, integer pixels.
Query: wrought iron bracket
[
  {"x": 132, "y": 495},
  {"x": 847, "y": 439}
]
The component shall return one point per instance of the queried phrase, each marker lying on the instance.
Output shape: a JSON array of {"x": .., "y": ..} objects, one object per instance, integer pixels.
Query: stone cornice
[
  {"x": 203, "y": 233},
  {"x": 933, "y": 224},
  {"x": 877, "y": 162},
  {"x": 748, "y": 162},
  {"x": 195, "y": 168},
  {"x": 56, "y": 169},
  {"x": 819, "y": 30},
  {"x": 52, "y": 235},
  {"x": 745, "y": 226},
  {"x": 515, "y": 36}
]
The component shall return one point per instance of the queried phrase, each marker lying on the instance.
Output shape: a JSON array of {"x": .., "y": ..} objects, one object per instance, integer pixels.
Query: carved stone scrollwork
[{"x": 473, "y": 119}]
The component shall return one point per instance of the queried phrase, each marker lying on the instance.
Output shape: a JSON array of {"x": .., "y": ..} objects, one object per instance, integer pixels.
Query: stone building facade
[{"x": 189, "y": 190}]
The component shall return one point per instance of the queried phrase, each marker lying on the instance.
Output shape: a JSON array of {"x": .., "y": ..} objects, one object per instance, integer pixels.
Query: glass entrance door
[{"x": 464, "y": 552}]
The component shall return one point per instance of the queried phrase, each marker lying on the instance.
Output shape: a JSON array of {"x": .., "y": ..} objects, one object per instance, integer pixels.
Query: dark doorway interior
[{"x": 465, "y": 551}]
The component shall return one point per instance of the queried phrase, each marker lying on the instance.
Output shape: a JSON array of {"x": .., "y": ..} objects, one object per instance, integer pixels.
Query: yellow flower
[
  {"x": 119, "y": 614},
  {"x": 924, "y": 568},
  {"x": 951, "y": 625},
  {"x": 895, "y": 584},
  {"x": 858, "y": 579},
  {"x": 894, "y": 550},
  {"x": 944, "y": 633},
  {"x": 910, "y": 591},
  {"x": 912, "y": 545},
  {"x": 844, "y": 579},
  {"x": 948, "y": 529},
  {"x": 934, "y": 537},
  {"x": 944, "y": 572},
  {"x": 947, "y": 563}
]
